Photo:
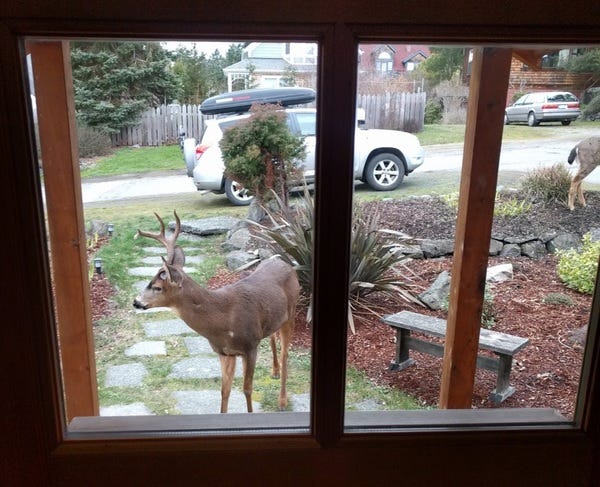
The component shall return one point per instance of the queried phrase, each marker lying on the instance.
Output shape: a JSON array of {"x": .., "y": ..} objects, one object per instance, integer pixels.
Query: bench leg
[
  {"x": 503, "y": 388},
  {"x": 402, "y": 350}
]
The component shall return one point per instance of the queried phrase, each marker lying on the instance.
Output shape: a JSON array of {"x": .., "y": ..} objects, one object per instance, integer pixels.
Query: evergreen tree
[
  {"x": 442, "y": 64},
  {"x": 114, "y": 82}
]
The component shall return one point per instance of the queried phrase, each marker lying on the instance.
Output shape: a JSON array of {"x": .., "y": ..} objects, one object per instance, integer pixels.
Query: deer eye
[{"x": 156, "y": 289}]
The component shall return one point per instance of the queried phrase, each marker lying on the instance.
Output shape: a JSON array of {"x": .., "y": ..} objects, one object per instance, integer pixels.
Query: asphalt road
[{"x": 519, "y": 156}]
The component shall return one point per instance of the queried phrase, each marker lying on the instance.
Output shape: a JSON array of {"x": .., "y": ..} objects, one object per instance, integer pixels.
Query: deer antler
[{"x": 175, "y": 255}]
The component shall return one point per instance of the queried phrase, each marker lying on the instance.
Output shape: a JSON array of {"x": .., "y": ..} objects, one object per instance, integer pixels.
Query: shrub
[
  {"x": 93, "y": 142},
  {"x": 578, "y": 268},
  {"x": 488, "y": 312},
  {"x": 511, "y": 206},
  {"x": 592, "y": 109},
  {"x": 433, "y": 111},
  {"x": 372, "y": 257},
  {"x": 261, "y": 152},
  {"x": 547, "y": 184},
  {"x": 559, "y": 299}
]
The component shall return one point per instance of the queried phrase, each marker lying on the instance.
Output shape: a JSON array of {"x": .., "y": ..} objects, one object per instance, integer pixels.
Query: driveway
[{"x": 516, "y": 156}]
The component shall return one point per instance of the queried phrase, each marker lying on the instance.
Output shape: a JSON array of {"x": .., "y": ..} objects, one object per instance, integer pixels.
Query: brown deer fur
[
  {"x": 234, "y": 318},
  {"x": 587, "y": 152}
]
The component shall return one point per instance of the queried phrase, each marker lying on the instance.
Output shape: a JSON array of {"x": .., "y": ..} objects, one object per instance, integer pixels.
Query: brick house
[
  {"x": 390, "y": 59},
  {"x": 544, "y": 71}
]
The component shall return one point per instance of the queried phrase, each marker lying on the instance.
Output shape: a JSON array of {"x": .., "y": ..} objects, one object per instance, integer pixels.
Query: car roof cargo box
[{"x": 241, "y": 101}]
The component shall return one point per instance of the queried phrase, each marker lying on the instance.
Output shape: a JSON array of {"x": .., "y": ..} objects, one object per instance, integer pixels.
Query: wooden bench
[{"x": 502, "y": 344}]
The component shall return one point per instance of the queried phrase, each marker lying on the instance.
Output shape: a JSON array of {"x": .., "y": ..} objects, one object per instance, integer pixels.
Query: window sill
[{"x": 357, "y": 422}]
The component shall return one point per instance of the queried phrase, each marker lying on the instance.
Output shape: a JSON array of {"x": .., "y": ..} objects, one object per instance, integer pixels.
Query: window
[
  {"x": 487, "y": 448},
  {"x": 384, "y": 63}
]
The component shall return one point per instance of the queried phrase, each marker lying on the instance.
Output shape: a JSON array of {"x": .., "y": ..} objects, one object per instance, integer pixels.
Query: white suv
[{"x": 381, "y": 157}]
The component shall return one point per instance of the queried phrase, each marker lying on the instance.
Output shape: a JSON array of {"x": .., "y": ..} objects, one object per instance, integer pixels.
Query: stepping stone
[
  {"x": 367, "y": 405},
  {"x": 163, "y": 328},
  {"x": 151, "y": 310},
  {"x": 157, "y": 260},
  {"x": 162, "y": 250},
  {"x": 147, "y": 348},
  {"x": 133, "y": 409},
  {"x": 199, "y": 368},
  {"x": 151, "y": 271},
  {"x": 198, "y": 345},
  {"x": 128, "y": 375},
  {"x": 300, "y": 402},
  {"x": 209, "y": 402}
]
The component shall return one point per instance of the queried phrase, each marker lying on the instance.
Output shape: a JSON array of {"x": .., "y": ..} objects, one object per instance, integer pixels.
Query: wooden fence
[
  {"x": 162, "y": 125},
  {"x": 395, "y": 111}
]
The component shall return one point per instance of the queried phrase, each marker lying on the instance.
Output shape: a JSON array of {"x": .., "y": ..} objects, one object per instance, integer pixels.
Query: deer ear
[{"x": 175, "y": 275}]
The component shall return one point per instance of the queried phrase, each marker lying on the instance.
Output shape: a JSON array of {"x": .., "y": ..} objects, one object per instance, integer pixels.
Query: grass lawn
[{"x": 132, "y": 160}]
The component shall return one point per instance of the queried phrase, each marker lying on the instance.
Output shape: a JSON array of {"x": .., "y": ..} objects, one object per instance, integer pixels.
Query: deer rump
[
  {"x": 587, "y": 153},
  {"x": 234, "y": 318}
]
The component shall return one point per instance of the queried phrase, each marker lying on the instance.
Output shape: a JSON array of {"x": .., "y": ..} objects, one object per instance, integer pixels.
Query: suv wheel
[
  {"x": 531, "y": 120},
  {"x": 237, "y": 194},
  {"x": 384, "y": 172},
  {"x": 506, "y": 120}
]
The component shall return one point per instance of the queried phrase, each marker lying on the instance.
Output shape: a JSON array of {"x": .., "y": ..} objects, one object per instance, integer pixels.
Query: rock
[
  {"x": 594, "y": 234},
  {"x": 236, "y": 259},
  {"x": 437, "y": 248},
  {"x": 535, "y": 249},
  {"x": 495, "y": 247},
  {"x": 511, "y": 250},
  {"x": 578, "y": 336},
  {"x": 564, "y": 242},
  {"x": 499, "y": 273},
  {"x": 519, "y": 239},
  {"x": 207, "y": 226},
  {"x": 436, "y": 297},
  {"x": 256, "y": 212},
  {"x": 238, "y": 239},
  {"x": 96, "y": 227},
  {"x": 412, "y": 251}
]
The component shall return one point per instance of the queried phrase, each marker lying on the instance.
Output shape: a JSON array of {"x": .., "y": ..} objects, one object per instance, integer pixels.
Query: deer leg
[
  {"x": 580, "y": 194},
  {"x": 572, "y": 192},
  {"x": 227, "y": 373},
  {"x": 285, "y": 334},
  {"x": 275, "y": 372},
  {"x": 249, "y": 363}
]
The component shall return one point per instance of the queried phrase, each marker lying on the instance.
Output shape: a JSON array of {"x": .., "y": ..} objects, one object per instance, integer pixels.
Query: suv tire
[
  {"x": 189, "y": 155},
  {"x": 385, "y": 172},
  {"x": 237, "y": 194}
]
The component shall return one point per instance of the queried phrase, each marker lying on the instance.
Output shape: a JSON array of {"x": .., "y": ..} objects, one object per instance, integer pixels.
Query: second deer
[
  {"x": 234, "y": 318},
  {"x": 587, "y": 152}
]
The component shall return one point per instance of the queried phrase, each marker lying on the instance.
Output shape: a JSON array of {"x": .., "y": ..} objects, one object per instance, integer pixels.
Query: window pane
[
  {"x": 529, "y": 303},
  {"x": 146, "y": 147}
]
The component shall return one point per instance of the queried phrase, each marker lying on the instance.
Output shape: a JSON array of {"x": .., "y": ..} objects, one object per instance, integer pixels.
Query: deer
[
  {"x": 587, "y": 152},
  {"x": 234, "y": 318}
]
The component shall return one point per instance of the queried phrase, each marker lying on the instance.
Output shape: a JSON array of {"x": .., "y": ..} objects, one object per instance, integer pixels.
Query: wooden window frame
[{"x": 35, "y": 405}]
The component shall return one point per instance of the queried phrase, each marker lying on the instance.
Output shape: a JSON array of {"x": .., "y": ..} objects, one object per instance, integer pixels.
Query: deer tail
[{"x": 572, "y": 155}]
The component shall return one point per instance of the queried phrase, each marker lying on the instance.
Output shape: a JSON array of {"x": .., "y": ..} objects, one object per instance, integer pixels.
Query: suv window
[{"x": 306, "y": 123}]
